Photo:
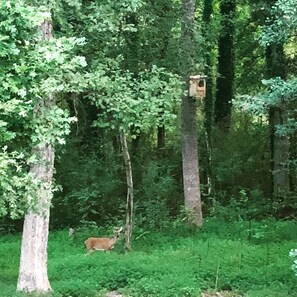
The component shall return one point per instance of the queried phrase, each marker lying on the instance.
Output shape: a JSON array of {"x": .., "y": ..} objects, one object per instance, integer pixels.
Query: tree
[
  {"x": 188, "y": 117},
  {"x": 279, "y": 143},
  {"x": 226, "y": 70},
  {"x": 122, "y": 35},
  {"x": 130, "y": 190},
  {"x": 33, "y": 263},
  {"x": 14, "y": 106},
  {"x": 209, "y": 98},
  {"x": 134, "y": 102},
  {"x": 153, "y": 22},
  {"x": 35, "y": 68},
  {"x": 278, "y": 98}
]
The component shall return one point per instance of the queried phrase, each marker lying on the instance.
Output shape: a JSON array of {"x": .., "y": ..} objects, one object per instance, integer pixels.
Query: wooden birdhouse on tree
[{"x": 197, "y": 86}]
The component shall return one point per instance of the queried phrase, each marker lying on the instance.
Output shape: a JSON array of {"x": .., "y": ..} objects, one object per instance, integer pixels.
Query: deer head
[{"x": 104, "y": 243}]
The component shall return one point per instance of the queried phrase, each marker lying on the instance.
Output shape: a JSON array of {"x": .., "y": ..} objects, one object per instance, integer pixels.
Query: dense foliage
[
  {"x": 117, "y": 66},
  {"x": 30, "y": 70},
  {"x": 131, "y": 82}
]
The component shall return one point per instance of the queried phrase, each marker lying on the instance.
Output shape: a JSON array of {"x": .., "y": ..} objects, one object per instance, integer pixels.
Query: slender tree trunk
[
  {"x": 130, "y": 196},
  {"x": 281, "y": 177},
  {"x": 188, "y": 118},
  {"x": 225, "y": 81},
  {"x": 293, "y": 157},
  {"x": 209, "y": 98},
  {"x": 279, "y": 145},
  {"x": 33, "y": 275}
]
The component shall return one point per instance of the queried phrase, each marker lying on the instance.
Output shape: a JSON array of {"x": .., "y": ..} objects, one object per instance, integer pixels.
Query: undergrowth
[{"x": 248, "y": 258}]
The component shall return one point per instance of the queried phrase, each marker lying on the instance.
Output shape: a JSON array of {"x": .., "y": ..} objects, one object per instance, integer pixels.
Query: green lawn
[{"x": 250, "y": 260}]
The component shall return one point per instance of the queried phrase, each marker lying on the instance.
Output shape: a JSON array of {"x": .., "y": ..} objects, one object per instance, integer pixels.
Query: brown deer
[{"x": 102, "y": 244}]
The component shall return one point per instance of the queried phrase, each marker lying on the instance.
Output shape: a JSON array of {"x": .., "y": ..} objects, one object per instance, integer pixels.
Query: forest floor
[{"x": 223, "y": 259}]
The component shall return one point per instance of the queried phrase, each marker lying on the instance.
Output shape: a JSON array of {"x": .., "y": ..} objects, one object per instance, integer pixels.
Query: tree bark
[
  {"x": 130, "y": 195},
  {"x": 209, "y": 98},
  {"x": 33, "y": 275},
  {"x": 188, "y": 118},
  {"x": 279, "y": 144},
  {"x": 281, "y": 180},
  {"x": 279, "y": 154}
]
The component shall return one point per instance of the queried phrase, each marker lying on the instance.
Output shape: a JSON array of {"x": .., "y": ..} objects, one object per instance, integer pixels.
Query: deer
[{"x": 104, "y": 243}]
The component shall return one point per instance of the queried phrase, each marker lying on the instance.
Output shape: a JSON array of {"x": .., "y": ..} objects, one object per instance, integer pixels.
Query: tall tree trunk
[
  {"x": 33, "y": 275},
  {"x": 130, "y": 195},
  {"x": 188, "y": 118},
  {"x": 225, "y": 81},
  {"x": 279, "y": 144},
  {"x": 209, "y": 98}
]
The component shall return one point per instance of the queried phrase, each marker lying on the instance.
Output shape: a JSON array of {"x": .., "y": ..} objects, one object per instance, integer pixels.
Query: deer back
[
  {"x": 94, "y": 243},
  {"x": 102, "y": 243}
]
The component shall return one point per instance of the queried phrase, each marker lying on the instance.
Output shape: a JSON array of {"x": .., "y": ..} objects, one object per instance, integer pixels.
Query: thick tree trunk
[
  {"x": 130, "y": 195},
  {"x": 33, "y": 275},
  {"x": 225, "y": 81},
  {"x": 33, "y": 264},
  {"x": 279, "y": 144},
  {"x": 190, "y": 163},
  {"x": 188, "y": 118}
]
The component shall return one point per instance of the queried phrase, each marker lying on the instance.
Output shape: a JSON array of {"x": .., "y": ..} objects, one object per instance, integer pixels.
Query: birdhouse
[{"x": 197, "y": 87}]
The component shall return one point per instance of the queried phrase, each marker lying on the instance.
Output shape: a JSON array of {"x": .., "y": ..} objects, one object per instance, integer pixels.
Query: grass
[{"x": 250, "y": 260}]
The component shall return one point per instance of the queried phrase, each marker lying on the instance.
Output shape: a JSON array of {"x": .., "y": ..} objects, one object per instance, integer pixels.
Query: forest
[{"x": 148, "y": 148}]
